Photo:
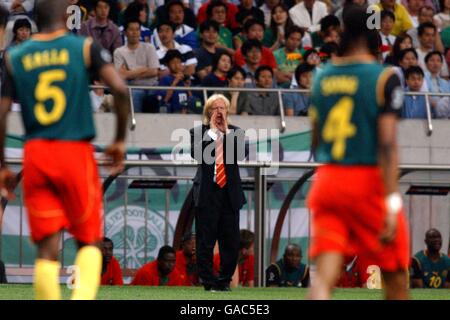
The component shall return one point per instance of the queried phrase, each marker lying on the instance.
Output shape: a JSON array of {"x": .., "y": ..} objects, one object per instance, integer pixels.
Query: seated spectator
[
  {"x": 2, "y": 273},
  {"x": 401, "y": 42},
  {"x": 175, "y": 101},
  {"x": 414, "y": 106},
  {"x": 427, "y": 36},
  {"x": 280, "y": 23},
  {"x": 387, "y": 24},
  {"x": 289, "y": 57},
  {"x": 209, "y": 35},
  {"x": 252, "y": 51},
  {"x": 101, "y": 102},
  {"x": 186, "y": 263},
  {"x": 161, "y": 14},
  {"x": 103, "y": 30},
  {"x": 407, "y": 58},
  {"x": 264, "y": 103},
  {"x": 246, "y": 9},
  {"x": 111, "y": 272},
  {"x": 402, "y": 19},
  {"x": 184, "y": 34},
  {"x": 161, "y": 272},
  {"x": 267, "y": 8},
  {"x": 425, "y": 16},
  {"x": 19, "y": 6},
  {"x": 136, "y": 11},
  {"x": 217, "y": 11},
  {"x": 436, "y": 83},
  {"x": 308, "y": 13},
  {"x": 166, "y": 35},
  {"x": 222, "y": 63},
  {"x": 21, "y": 31},
  {"x": 288, "y": 271},
  {"x": 137, "y": 63},
  {"x": 239, "y": 102},
  {"x": 232, "y": 10},
  {"x": 413, "y": 7},
  {"x": 442, "y": 19},
  {"x": 430, "y": 267},
  {"x": 295, "y": 103},
  {"x": 329, "y": 31}
]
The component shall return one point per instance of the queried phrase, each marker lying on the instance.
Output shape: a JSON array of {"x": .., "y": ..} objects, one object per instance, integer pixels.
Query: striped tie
[{"x": 221, "y": 178}]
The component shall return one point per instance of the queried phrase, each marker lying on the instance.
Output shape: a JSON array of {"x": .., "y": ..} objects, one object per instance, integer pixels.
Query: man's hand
[
  {"x": 390, "y": 228},
  {"x": 116, "y": 153},
  {"x": 7, "y": 183}
]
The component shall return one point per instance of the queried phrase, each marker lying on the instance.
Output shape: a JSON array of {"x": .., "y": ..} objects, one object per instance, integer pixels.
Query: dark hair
[
  {"x": 170, "y": 55},
  {"x": 261, "y": 69},
  {"x": 303, "y": 68},
  {"x": 250, "y": 23},
  {"x": 216, "y": 59},
  {"x": 250, "y": 44},
  {"x": 396, "y": 47},
  {"x": 133, "y": 10},
  {"x": 387, "y": 14},
  {"x": 4, "y": 13},
  {"x": 308, "y": 53},
  {"x": 165, "y": 23},
  {"x": 214, "y": 4},
  {"x": 20, "y": 23},
  {"x": 404, "y": 52},
  {"x": 413, "y": 70},
  {"x": 108, "y": 2},
  {"x": 292, "y": 30},
  {"x": 355, "y": 29},
  {"x": 426, "y": 25},
  {"x": 105, "y": 239},
  {"x": 246, "y": 239},
  {"x": 187, "y": 236},
  {"x": 293, "y": 245},
  {"x": 327, "y": 50},
  {"x": 273, "y": 25},
  {"x": 425, "y": 7},
  {"x": 49, "y": 12},
  {"x": 433, "y": 53},
  {"x": 172, "y": 3},
  {"x": 329, "y": 21},
  {"x": 208, "y": 24},
  {"x": 234, "y": 70},
  {"x": 442, "y": 8},
  {"x": 165, "y": 250},
  {"x": 131, "y": 20}
]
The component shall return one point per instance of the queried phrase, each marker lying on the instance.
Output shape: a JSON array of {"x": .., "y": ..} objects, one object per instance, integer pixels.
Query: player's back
[
  {"x": 51, "y": 80},
  {"x": 346, "y": 100}
]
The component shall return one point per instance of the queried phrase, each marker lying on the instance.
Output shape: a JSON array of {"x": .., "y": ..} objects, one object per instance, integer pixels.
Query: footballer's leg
[
  {"x": 46, "y": 270},
  {"x": 396, "y": 285},
  {"x": 328, "y": 269}
]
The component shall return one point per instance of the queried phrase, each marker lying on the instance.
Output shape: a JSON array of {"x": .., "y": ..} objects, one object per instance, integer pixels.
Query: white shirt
[{"x": 301, "y": 17}]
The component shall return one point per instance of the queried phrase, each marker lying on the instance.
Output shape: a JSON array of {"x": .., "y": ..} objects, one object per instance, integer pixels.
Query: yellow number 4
[
  {"x": 338, "y": 128},
  {"x": 46, "y": 91}
]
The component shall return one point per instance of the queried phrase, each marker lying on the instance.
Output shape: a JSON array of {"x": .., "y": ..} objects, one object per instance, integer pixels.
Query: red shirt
[
  {"x": 231, "y": 14},
  {"x": 182, "y": 266},
  {"x": 148, "y": 275},
  {"x": 246, "y": 269},
  {"x": 113, "y": 274},
  {"x": 267, "y": 58}
]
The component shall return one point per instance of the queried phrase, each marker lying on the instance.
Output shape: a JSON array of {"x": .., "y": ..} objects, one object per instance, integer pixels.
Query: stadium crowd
[{"x": 254, "y": 44}]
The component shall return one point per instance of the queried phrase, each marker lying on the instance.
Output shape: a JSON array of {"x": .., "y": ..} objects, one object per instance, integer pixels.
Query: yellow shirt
[{"x": 402, "y": 19}]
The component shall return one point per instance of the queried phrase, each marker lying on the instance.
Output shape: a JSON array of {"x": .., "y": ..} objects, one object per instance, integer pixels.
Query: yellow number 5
[
  {"x": 46, "y": 91},
  {"x": 338, "y": 127}
]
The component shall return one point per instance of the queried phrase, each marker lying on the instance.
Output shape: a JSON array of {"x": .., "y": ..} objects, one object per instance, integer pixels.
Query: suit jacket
[{"x": 203, "y": 150}]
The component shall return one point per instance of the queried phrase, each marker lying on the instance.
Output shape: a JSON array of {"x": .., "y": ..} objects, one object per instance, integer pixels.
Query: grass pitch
[{"x": 25, "y": 292}]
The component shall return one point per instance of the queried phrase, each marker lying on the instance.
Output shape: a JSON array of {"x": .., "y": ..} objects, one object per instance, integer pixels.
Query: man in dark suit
[{"x": 218, "y": 194}]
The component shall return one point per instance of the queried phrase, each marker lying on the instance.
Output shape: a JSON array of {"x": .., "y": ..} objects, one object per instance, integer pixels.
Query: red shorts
[
  {"x": 348, "y": 211},
  {"x": 62, "y": 190}
]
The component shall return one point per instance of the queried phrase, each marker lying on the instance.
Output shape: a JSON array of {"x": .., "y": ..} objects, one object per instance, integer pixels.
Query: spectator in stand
[
  {"x": 21, "y": 31},
  {"x": 254, "y": 30},
  {"x": 413, "y": 7},
  {"x": 288, "y": 271},
  {"x": 430, "y": 267},
  {"x": 111, "y": 272},
  {"x": 346, "y": 3},
  {"x": 252, "y": 51},
  {"x": 267, "y": 8},
  {"x": 222, "y": 64},
  {"x": 427, "y": 38},
  {"x": 407, "y": 58},
  {"x": 174, "y": 101},
  {"x": 436, "y": 83},
  {"x": 280, "y": 23},
  {"x": 442, "y": 19},
  {"x": 209, "y": 35},
  {"x": 403, "y": 21},
  {"x": 328, "y": 51},
  {"x": 136, "y": 11},
  {"x": 401, "y": 42},
  {"x": 100, "y": 101},
  {"x": 137, "y": 63},
  {"x": 103, "y": 30},
  {"x": 387, "y": 24},
  {"x": 289, "y": 57},
  {"x": 264, "y": 103},
  {"x": 166, "y": 35},
  {"x": 239, "y": 102},
  {"x": 231, "y": 14},
  {"x": 186, "y": 260},
  {"x": 161, "y": 272},
  {"x": 308, "y": 13},
  {"x": 414, "y": 106},
  {"x": 246, "y": 9},
  {"x": 19, "y": 6},
  {"x": 161, "y": 14},
  {"x": 295, "y": 103},
  {"x": 217, "y": 11},
  {"x": 329, "y": 31},
  {"x": 425, "y": 16}
]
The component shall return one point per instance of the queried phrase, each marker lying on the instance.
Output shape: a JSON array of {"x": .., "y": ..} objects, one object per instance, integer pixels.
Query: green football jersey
[
  {"x": 346, "y": 102},
  {"x": 434, "y": 274},
  {"x": 51, "y": 80}
]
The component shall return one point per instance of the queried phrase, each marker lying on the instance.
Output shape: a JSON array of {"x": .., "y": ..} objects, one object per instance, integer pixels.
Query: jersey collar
[{"x": 49, "y": 36}]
